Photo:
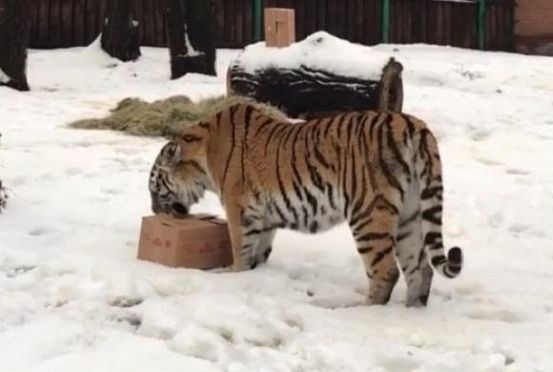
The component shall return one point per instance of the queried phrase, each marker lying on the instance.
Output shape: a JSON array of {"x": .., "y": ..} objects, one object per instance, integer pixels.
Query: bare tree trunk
[
  {"x": 14, "y": 39},
  {"x": 120, "y": 37},
  {"x": 191, "y": 32}
]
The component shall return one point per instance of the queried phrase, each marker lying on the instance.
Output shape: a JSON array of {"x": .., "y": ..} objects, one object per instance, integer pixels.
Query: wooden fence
[
  {"x": 65, "y": 23},
  {"x": 356, "y": 20}
]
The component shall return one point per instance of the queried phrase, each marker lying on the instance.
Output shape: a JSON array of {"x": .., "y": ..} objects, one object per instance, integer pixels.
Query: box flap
[
  {"x": 192, "y": 221},
  {"x": 193, "y": 227}
]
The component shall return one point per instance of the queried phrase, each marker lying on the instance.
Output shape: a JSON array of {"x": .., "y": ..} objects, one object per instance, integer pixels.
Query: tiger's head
[{"x": 178, "y": 177}]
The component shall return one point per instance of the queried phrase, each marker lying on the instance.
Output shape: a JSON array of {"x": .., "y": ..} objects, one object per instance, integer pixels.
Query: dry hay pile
[{"x": 164, "y": 117}]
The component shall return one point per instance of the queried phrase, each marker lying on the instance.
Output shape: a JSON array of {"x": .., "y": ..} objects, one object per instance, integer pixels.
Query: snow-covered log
[
  {"x": 318, "y": 76},
  {"x": 14, "y": 38},
  {"x": 191, "y": 31},
  {"x": 120, "y": 37}
]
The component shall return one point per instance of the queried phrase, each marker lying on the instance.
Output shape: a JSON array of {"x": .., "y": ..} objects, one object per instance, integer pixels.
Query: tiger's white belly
[{"x": 310, "y": 215}]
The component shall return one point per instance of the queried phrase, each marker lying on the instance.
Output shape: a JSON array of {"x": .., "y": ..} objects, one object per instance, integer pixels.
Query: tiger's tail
[{"x": 429, "y": 171}]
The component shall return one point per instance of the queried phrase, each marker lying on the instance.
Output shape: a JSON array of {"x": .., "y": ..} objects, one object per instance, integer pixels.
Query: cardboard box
[
  {"x": 280, "y": 27},
  {"x": 199, "y": 241}
]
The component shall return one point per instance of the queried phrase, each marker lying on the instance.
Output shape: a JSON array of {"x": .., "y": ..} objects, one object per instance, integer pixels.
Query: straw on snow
[{"x": 165, "y": 117}]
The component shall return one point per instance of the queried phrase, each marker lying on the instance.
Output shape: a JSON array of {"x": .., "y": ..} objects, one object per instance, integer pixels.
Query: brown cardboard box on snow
[
  {"x": 198, "y": 241},
  {"x": 280, "y": 27}
]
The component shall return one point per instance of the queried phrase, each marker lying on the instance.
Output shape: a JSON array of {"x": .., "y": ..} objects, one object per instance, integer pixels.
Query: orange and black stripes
[{"x": 378, "y": 171}]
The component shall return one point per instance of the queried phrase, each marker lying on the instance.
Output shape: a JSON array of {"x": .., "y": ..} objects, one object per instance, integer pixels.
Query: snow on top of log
[{"x": 321, "y": 51}]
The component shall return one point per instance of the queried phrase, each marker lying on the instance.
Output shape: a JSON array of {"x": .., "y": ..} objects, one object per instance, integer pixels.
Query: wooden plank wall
[
  {"x": 354, "y": 20},
  {"x": 65, "y": 23},
  {"x": 234, "y": 22},
  {"x": 500, "y": 25}
]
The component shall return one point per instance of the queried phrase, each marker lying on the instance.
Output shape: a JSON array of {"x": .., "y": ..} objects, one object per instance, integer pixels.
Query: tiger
[{"x": 378, "y": 171}]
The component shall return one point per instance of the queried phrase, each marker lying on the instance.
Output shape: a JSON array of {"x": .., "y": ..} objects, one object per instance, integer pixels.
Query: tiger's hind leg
[
  {"x": 411, "y": 253},
  {"x": 375, "y": 241},
  {"x": 427, "y": 274},
  {"x": 414, "y": 261}
]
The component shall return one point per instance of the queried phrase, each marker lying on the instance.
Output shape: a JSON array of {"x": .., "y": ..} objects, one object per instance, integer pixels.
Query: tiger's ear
[
  {"x": 191, "y": 143},
  {"x": 172, "y": 153}
]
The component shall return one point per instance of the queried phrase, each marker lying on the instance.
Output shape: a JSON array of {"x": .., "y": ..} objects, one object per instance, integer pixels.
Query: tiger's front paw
[
  {"x": 262, "y": 255},
  {"x": 244, "y": 264}
]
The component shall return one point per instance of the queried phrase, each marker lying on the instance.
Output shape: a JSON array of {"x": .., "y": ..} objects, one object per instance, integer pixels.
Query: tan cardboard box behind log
[
  {"x": 280, "y": 27},
  {"x": 199, "y": 241}
]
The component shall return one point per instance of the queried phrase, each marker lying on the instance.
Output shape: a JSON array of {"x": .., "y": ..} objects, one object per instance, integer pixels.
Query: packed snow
[{"x": 73, "y": 296}]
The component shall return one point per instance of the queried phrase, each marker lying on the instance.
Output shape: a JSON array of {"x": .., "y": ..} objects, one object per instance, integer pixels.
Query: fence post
[
  {"x": 481, "y": 24},
  {"x": 385, "y": 21},
  {"x": 512, "y": 22},
  {"x": 257, "y": 19}
]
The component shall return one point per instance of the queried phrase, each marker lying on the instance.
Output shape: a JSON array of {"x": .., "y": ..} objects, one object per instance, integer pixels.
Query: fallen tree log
[{"x": 319, "y": 76}]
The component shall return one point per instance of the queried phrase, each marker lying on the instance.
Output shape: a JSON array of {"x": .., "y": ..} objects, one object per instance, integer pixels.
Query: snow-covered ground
[{"x": 74, "y": 298}]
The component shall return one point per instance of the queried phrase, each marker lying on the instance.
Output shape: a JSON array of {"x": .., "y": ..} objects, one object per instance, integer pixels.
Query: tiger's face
[{"x": 175, "y": 182}]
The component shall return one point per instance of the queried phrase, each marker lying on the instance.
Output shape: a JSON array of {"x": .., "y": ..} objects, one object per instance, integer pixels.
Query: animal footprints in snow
[
  {"x": 496, "y": 219},
  {"x": 132, "y": 320},
  {"x": 12, "y": 272},
  {"x": 18, "y": 181},
  {"x": 509, "y": 359},
  {"x": 212, "y": 345},
  {"x": 40, "y": 230},
  {"x": 480, "y": 134},
  {"x": 469, "y": 289},
  {"x": 499, "y": 315},
  {"x": 123, "y": 317},
  {"x": 294, "y": 322},
  {"x": 518, "y": 228},
  {"x": 110, "y": 191},
  {"x": 199, "y": 342},
  {"x": 488, "y": 161},
  {"x": 513, "y": 171},
  {"x": 517, "y": 171},
  {"x": 213, "y": 341},
  {"x": 398, "y": 363},
  {"x": 125, "y": 302},
  {"x": 471, "y": 75},
  {"x": 73, "y": 171}
]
